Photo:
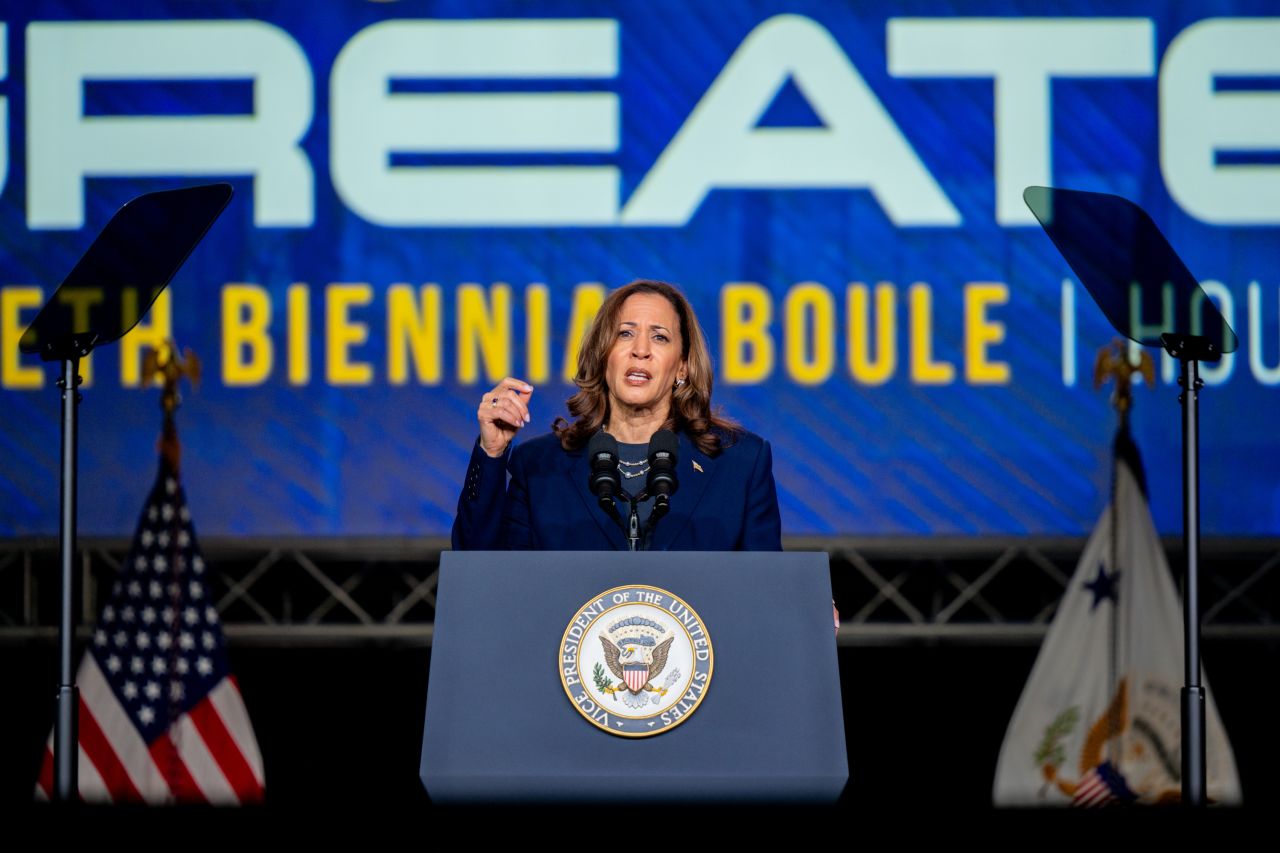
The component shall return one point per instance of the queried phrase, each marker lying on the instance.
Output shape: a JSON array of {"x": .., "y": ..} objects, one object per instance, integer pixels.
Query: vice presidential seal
[{"x": 636, "y": 661}]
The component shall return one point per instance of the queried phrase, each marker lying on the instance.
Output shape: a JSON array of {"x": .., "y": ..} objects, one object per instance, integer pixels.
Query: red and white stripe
[
  {"x": 636, "y": 678},
  {"x": 209, "y": 755},
  {"x": 1093, "y": 791}
]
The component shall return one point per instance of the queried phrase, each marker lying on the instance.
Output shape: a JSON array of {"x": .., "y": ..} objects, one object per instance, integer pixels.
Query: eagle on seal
[{"x": 635, "y": 666}]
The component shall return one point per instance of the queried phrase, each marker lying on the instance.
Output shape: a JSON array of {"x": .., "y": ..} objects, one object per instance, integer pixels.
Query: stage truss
[{"x": 344, "y": 592}]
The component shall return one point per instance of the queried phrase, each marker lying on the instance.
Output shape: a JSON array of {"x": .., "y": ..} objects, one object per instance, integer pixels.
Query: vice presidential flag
[
  {"x": 1099, "y": 720},
  {"x": 161, "y": 717}
]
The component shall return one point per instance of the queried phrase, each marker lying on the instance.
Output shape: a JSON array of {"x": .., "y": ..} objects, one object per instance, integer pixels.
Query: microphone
[
  {"x": 662, "y": 483},
  {"x": 603, "y": 480}
]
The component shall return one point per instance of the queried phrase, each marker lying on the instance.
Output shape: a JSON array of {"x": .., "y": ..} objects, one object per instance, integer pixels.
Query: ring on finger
[{"x": 493, "y": 403}]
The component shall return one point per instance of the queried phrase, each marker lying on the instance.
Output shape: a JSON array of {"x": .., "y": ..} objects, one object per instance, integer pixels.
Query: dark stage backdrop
[
  {"x": 432, "y": 195},
  {"x": 923, "y": 725}
]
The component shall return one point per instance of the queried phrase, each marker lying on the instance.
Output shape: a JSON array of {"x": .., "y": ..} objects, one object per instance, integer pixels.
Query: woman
[{"x": 643, "y": 367}]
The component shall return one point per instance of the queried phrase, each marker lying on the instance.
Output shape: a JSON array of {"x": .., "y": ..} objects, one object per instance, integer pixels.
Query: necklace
[{"x": 623, "y": 465}]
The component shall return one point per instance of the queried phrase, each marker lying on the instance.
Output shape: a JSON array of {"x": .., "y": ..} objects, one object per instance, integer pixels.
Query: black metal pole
[
  {"x": 1194, "y": 777},
  {"x": 66, "y": 741}
]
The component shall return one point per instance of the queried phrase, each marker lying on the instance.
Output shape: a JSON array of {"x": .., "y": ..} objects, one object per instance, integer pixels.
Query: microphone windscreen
[
  {"x": 664, "y": 441},
  {"x": 663, "y": 449},
  {"x": 602, "y": 442}
]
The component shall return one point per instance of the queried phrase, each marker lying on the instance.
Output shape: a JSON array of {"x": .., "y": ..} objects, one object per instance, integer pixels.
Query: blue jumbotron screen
[{"x": 431, "y": 196}]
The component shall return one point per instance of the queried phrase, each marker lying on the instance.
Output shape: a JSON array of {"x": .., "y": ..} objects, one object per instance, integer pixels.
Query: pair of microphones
[{"x": 606, "y": 482}]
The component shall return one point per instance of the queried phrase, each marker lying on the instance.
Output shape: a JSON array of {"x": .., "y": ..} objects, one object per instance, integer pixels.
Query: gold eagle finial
[
  {"x": 1113, "y": 363},
  {"x": 164, "y": 366}
]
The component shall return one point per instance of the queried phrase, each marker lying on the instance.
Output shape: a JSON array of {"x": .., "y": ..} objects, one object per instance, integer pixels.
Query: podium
[{"x": 507, "y": 719}]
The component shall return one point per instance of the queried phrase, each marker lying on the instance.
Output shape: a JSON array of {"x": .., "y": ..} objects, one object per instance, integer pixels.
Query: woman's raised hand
[{"x": 503, "y": 411}]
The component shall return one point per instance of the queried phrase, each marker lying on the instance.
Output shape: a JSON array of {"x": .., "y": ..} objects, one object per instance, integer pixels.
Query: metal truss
[{"x": 342, "y": 592}]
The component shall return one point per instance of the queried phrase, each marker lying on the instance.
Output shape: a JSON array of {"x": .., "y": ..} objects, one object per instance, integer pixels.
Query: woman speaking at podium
[{"x": 643, "y": 367}]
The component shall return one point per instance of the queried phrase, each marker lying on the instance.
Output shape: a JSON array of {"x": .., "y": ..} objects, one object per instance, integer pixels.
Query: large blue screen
[{"x": 431, "y": 196}]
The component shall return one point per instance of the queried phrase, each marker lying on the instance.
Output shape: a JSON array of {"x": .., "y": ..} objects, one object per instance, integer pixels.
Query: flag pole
[{"x": 1114, "y": 363}]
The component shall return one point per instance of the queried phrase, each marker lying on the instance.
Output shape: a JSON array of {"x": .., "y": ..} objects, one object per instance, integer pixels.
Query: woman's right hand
[{"x": 503, "y": 411}]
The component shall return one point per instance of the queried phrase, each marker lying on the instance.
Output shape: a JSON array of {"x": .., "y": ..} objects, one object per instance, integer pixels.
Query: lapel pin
[{"x": 697, "y": 467}]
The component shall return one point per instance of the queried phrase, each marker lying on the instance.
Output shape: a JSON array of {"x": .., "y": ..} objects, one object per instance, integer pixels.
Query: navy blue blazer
[{"x": 728, "y": 503}]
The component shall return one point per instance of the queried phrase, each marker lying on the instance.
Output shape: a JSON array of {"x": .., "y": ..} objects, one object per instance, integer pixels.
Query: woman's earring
[{"x": 679, "y": 382}]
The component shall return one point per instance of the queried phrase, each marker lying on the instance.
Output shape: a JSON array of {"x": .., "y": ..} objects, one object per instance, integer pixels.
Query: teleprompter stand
[
  {"x": 104, "y": 296},
  {"x": 1149, "y": 296}
]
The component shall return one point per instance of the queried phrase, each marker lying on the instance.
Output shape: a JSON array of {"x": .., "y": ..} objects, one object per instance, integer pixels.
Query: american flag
[
  {"x": 161, "y": 716},
  {"x": 1102, "y": 786}
]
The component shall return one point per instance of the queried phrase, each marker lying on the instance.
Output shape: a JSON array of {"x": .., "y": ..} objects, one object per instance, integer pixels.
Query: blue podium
[{"x": 517, "y": 711}]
